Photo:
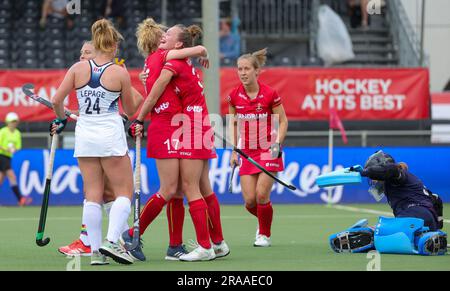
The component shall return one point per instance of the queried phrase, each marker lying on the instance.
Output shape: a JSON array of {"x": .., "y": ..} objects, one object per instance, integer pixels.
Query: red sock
[
  {"x": 199, "y": 214},
  {"x": 215, "y": 226},
  {"x": 151, "y": 210},
  {"x": 175, "y": 217},
  {"x": 265, "y": 215},
  {"x": 252, "y": 210}
]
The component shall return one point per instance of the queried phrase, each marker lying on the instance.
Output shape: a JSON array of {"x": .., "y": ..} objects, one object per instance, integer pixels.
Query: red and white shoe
[{"x": 77, "y": 248}]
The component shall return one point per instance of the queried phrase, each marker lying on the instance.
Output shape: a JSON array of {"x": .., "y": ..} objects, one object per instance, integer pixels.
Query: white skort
[{"x": 100, "y": 136}]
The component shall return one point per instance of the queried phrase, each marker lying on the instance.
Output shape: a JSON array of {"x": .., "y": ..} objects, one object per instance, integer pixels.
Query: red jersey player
[
  {"x": 166, "y": 145},
  {"x": 196, "y": 145},
  {"x": 253, "y": 105}
]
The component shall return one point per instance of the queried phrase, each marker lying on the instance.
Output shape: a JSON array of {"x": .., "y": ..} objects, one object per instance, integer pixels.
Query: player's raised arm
[{"x": 196, "y": 51}]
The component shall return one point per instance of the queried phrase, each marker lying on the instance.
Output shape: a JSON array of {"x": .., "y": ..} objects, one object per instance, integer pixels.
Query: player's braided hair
[
  {"x": 258, "y": 58},
  {"x": 105, "y": 37},
  {"x": 189, "y": 35},
  {"x": 148, "y": 35}
]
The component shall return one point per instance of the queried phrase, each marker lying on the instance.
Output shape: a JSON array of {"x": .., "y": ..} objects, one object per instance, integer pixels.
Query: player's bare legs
[
  {"x": 248, "y": 185},
  {"x": 119, "y": 173}
]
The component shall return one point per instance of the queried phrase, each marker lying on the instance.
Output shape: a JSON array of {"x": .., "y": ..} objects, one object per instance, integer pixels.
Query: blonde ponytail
[
  {"x": 148, "y": 36},
  {"x": 105, "y": 37},
  {"x": 258, "y": 58}
]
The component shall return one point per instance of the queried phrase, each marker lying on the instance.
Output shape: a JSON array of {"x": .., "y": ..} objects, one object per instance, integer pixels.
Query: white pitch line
[
  {"x": 162, "y": 218},
  {"x": 370, "y": 211}
]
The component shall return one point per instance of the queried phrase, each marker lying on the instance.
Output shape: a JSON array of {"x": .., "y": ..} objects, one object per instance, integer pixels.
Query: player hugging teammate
[{"x": 173, "y": 89}]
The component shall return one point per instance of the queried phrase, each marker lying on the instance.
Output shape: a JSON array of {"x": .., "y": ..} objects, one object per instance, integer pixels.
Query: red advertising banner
[
  {"x": 46, "y": 83},
  {"x": 356, "y": 94}
]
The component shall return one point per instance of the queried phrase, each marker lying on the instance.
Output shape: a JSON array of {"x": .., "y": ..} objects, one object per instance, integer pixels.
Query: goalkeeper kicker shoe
[
  {"x": 76, "y": 248},
  {"x": 199, "y": 254},
  {"x": 137, "y": 253},
  {"x": 116, "y": 252}
]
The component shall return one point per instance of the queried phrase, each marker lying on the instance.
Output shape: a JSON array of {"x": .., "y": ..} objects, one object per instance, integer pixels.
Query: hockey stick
[
  {"x": 28, "y": 90},
  {"x": 255, "y": 163},
  {"x": 44, "y": 207},
  {"x": 137, "y": 198},
  {"x": 230, "y": 183}
]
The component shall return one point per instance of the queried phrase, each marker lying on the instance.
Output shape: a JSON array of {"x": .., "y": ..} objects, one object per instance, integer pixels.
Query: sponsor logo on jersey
[
  {"x": 97, "y": 70},
  {"x": 240, "y": 107},
  {"x": 177, "y": 90},
  {"x": 252, "y": 116},
  {"x": 242, "y": 96},
  {"x": 272, "y": 165},
  {"x": 162, "y": 107},
  {"x": 185, "y": 154},
  {"x": 195, "y": 108}
]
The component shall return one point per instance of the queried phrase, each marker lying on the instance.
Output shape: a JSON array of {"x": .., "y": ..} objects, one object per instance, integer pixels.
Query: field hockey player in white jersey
[{"x": 100, "y": 141}]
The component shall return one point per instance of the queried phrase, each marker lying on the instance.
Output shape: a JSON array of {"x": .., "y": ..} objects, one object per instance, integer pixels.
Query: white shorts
[{"x": 100, "y": 136}]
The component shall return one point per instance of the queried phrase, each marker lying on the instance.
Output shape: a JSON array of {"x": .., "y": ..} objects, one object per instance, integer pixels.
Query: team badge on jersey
[{"x": 259, "y": 107}]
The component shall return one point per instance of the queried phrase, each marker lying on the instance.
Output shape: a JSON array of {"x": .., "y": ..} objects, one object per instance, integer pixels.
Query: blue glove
[
  {"x": 60, "y": 123},
  {"x": 356, "y": 168}
]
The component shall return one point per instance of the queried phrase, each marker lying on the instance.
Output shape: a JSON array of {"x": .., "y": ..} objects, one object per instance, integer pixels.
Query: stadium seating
[{"x": 285, "y": 27}]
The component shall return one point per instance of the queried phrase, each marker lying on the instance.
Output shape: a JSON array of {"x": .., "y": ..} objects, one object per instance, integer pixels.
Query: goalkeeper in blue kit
[{"x": 418, "y": 213}]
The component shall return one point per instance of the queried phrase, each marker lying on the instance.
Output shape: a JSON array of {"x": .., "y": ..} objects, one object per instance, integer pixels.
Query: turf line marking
[
  {"x": 299, "y": 216},
  {"x": 370, "y": 211}
]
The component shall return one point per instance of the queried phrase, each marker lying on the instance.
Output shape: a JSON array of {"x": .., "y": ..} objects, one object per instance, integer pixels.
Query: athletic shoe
[
  {"x": 174, "y": 253},
  {"x": 76, "y": 248},
  {"x": 25, "y": 201},
  {"x": 199, "y": 254},
  {"x": 221, "y": 250},
  {"x": 98, "y": 259},
  {"x": 262, "y": 241},
  {"x": 116, "y": 252},
  {"x": 137, "y": 253}
]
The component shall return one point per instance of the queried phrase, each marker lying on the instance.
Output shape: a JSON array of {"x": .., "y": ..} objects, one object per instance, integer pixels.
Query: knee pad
[
  {"x": 356, "y": 239},
  {"x": 432, "y": 243}
]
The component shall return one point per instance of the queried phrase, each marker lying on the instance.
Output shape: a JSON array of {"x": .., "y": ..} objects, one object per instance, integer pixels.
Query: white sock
[
  {"x": 93, "y": 214},
  {"x": 83, "y": 234},
  {"x": 107, "y": 207},
  {"x": 118, "y": 218}
]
